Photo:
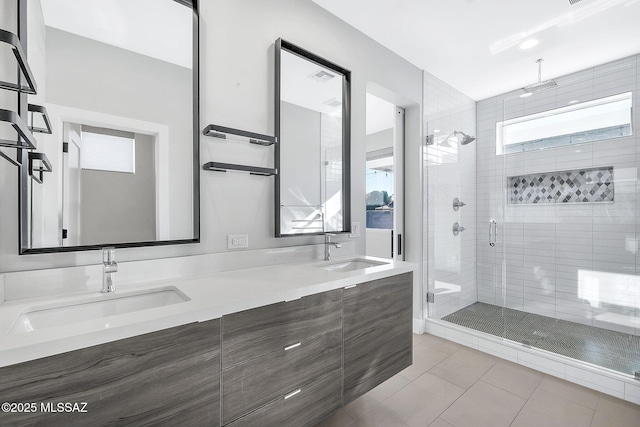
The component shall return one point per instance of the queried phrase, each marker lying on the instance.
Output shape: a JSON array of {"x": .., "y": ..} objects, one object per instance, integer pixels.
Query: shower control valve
[
  {"x": 457, "y": 204},
  {"x": 457, "y": 229}
]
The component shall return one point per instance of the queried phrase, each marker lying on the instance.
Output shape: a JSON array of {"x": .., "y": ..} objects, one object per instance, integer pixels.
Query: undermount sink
[
  {"x": 96, "y": 308},
  {"x": 351, "y": 265}
]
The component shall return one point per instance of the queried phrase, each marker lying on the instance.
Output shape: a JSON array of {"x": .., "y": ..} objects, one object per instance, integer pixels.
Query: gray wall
[
  {"x": 577, "y": 262},
  {"x": 121, "y": 207},
  {"x": 300, "y": 153}
]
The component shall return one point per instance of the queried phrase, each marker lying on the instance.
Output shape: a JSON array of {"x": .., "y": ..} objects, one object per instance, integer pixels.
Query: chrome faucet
[
  {"x": 327, "y": 246},
  {"x": 109, "y": 266}
]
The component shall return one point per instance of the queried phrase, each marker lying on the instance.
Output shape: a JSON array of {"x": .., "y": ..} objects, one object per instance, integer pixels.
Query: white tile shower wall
[
  {"x": 576, "y": 262},
  {"x": 449, "y": 172}
]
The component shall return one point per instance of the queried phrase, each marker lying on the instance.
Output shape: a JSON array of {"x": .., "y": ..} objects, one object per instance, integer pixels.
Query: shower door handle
[{"x": 493, "y": 228}]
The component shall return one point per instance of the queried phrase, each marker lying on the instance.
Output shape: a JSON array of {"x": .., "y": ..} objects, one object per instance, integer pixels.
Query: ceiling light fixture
[
  {"x": 575, "y": 101},
  {"x": 529, "y": 43},
  {"x": 526, "y": 94}
]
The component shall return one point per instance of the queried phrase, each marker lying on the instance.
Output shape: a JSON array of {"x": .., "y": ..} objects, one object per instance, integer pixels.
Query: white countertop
[{"x": 210, "y": 297}]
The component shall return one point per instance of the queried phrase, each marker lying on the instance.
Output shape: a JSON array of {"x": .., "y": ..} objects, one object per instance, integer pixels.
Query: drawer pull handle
[
  {"x": 293, "y": 393},
  {"x": 350, "y": 286},
  {"x": 289, "y": 347}
]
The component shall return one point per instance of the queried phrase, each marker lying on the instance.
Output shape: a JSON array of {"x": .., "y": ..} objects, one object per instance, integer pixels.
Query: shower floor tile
[{"x": 602, "y": 347}]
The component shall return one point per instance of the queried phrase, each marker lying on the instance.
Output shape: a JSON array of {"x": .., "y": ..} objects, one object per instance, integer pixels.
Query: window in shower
[{"x": 604, "y": 118}]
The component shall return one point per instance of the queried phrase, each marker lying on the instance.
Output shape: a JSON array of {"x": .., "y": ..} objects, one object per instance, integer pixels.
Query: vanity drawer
[
  {"x": 248, "y": 386},
  {"x": 307, "y": 407},
  {"x": 252, "y": 333}
]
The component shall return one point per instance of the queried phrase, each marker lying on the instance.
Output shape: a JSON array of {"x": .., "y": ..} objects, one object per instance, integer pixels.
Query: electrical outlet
[
  {"x": 355, "y": 229},
  {"x": 237, "y": 241}
]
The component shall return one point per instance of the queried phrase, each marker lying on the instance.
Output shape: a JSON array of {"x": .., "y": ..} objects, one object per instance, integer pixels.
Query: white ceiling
[
  {"x": 473, "y": 44},
  {"x": 298, "y": 86},
  {"x": 159, "y": 29}
]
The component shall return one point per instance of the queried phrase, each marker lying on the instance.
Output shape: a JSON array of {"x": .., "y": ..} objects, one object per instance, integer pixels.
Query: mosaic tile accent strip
[{"x": 575, "y": 186}]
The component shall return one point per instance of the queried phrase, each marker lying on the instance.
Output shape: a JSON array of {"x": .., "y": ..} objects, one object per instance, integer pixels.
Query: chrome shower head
[
  {"x": 539, "y": 85},
  {"x": 466, "y": 139}
]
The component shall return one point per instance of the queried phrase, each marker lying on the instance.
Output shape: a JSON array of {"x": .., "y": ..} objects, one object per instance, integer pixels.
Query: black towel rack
[{"x": 216, "y": 131}]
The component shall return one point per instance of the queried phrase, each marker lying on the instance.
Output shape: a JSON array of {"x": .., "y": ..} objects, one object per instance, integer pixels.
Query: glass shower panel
[{"x": 449, "y": 203}]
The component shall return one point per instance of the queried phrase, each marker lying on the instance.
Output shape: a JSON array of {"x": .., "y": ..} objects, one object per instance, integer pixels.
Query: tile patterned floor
[
  {"x": 450, "y": 385},
  {"x": 602, "y": 347}
]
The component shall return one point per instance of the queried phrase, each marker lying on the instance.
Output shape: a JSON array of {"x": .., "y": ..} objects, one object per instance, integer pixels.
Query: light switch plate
[
  {"x": 355, "y": 229},
  {"x": 237, "y": 241}
]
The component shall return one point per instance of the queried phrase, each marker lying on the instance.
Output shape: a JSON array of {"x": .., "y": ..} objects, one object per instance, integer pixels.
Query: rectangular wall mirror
[
  {"x": 119, "y": 81},
  {"x": 313, "y": 151}
]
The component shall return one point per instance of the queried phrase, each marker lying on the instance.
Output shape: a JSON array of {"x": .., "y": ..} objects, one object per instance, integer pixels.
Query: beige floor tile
[
  {"x": 339, "y": 418},
  {"x": 361, "y": 405},
  {"x": 441, "y": 344},
  {"x": 418, "y": 338},
  {"x": 548, "y": 409},
  {"x": 424, "y": 358},
  {"x": 612, "y": 412},
  {"x": 440, "y": 423},
  {"x": 513, "y": 378},
  {"x": 389, "y": 388},
  {"x": 574, "y": 392},
  {"x": 484, "y": 405},
  {"x": 464, "y": 367},
  {"x": 377, "y": 418},
  {"x": 422, "y": 401}
]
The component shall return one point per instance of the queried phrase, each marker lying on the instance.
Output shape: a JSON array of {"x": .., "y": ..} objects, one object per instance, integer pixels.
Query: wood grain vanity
[{"x": 285, "y": 364}]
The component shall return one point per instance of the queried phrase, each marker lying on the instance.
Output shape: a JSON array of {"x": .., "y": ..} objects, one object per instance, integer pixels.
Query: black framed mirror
[
  {"x": 312, "y": 156},
  {"x": 120, "y": 83}
]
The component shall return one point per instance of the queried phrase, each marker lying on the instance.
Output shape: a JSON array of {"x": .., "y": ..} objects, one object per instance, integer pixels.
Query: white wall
[
  {"x": 554, "y": 253},
  {"x": 449, "y": 261},
  {"x": 237, "y": 84}
]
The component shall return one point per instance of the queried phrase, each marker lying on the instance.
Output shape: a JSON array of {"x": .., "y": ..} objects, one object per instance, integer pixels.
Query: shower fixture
[
  {"x": 457, "y": 228},
  {"x": 446, "y": 141},
  {"x": 540, "y": 85},
  {"x": 466, "y": 139},
  {"x": 457, "y": 204}
]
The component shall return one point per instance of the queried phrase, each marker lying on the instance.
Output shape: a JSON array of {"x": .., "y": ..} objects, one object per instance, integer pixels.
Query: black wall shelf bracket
[
  {"x": 18, "y": 51},
  {"x": 253, "y": 170},
  {"x": 25, "y": 138},
  {"x": 42, "y": 165},
  {"x": 221, "y": 132},
  {"x": 39, "y": 109}
]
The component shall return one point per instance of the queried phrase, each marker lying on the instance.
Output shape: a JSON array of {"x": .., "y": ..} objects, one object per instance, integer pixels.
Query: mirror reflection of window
[
  {"x": 110, "y": 186},
  {"x": 110, "y": 151}
]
